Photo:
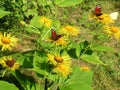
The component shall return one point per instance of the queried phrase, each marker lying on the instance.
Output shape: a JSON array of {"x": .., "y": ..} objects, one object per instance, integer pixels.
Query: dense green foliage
[{"x": 94, "y": 55}]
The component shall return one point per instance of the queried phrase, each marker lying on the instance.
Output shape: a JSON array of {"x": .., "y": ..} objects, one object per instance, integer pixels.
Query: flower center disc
[
  {"x": 114, "y": 29},
  {"x": 69, "y": 28},
  {"x": 10, "y": 63},
  {"x": 46, "y": 21},
  {"x": 58, "y": 59},
  {"x": 5, "y": 40}
]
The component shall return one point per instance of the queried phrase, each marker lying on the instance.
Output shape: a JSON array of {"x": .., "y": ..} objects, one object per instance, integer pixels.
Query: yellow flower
[
  {"x": 107, "y": 30},
  {"x": 22, "y": 23},
  {"x": 70, "y": 30},
  {"x": 85, "y": 68},
  {"x": 117, "y": 35},
  {"x": 9, "y": 63},
  {"x": 105, "y": 19},
  {"x": 63, "y": 70},
  {"x": 57, "y": 58},
  {"x": 61, "y": 63},
  {"x": 59, "y": 41},
  {"x": 115, "y": 31},
  {"x": 45, "y": 21},
  {"x": 7, "y": 41}
]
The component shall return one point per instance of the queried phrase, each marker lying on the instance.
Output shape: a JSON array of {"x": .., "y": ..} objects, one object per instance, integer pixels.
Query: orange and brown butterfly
[
  {"x": 55, "y": 36},
  {"x": 97, "y": 11}
]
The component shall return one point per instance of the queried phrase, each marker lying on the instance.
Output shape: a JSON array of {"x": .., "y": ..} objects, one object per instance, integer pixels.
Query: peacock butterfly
[
  {"x": 54, "y": 35},
  {"x": 97, "y": 11}
]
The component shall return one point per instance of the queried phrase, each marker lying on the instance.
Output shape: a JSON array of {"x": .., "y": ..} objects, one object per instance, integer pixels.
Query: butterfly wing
[
  {"x": 97, "y": 10},
  {"x": 54, "y": 35},
  {"x": 114, "y": 15}
]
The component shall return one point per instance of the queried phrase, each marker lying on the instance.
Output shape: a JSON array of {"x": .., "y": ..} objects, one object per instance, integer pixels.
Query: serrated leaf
[
  {"x": 65, "y": 3},
  {"x": 94, "y": 59},
  {"x": 7, "y": 86}
]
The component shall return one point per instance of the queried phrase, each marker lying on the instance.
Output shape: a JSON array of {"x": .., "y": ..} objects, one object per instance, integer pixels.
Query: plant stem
[
  {"x": 45, "y": 84},
  {"x": 46, "y": 34},
  {"x": 4, "y": 72}
]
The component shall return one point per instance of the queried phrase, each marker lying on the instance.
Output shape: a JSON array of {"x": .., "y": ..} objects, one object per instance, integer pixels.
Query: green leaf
[
  {"x": 24, "y": 59},
  {"x": 41, "y": 72},
  {"x": 79, "y": 80},
  {"x": 42, "y": 2},
  {"x": 118, "y": 54},
  {"x": 102, "y": 48},
  {"x": 78, "y": 50},
  {"x": 65, "y": 3},
  {"x": 39, "y": 63},
  {"x": 36, "y": 86},
  {"x": 56, "y": 24},
  {"x": 7, "y": 86},
  {"x": 20, "y": 58},
  {"x": 20, "y": 78},
  {"x": 52, "y": 77},
  {"x": 94, "y": 59},
  {"x": 35, "y": 21},
  {"x": 30, "y": 12},
  {"x": 37, "y": 60},
  {"x": 32, "y": 29},
  {"x": 3, "y": 13},
  {"x": 34, "y": 25}
]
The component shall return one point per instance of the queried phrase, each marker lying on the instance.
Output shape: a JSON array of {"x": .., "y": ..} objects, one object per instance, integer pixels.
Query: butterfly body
[{"x": 54, "y": 35}]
